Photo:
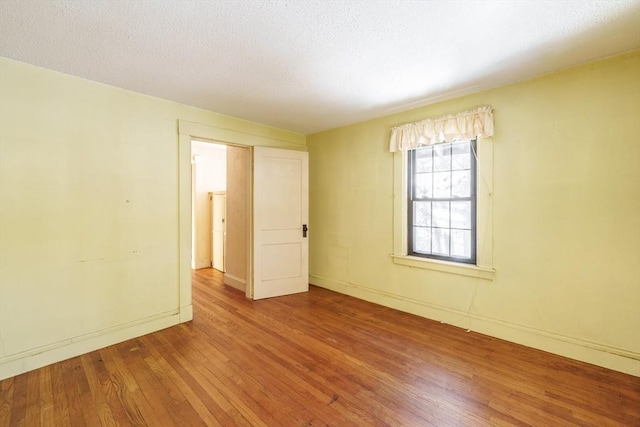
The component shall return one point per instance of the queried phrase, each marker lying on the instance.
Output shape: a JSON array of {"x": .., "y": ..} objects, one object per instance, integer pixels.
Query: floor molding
[
  {"x": 586, "y": 351},
  {"x": 235, "y": 282},
  {"x": 29, "y": 360}
]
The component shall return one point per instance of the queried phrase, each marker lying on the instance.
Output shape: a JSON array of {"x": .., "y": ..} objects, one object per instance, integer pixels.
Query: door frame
[{"x": 249, "y": 137}]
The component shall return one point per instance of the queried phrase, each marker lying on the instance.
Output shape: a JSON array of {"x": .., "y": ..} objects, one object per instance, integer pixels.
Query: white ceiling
[{"x": 312, "y": 65}]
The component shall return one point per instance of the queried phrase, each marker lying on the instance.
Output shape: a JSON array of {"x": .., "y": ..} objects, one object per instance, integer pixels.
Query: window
[
  {"x": 408, "y": 251},
  {"x": 441, "y": 202}
]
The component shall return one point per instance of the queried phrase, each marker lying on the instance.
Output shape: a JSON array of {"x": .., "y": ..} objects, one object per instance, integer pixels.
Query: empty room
[{"x": 425, "y": 213}]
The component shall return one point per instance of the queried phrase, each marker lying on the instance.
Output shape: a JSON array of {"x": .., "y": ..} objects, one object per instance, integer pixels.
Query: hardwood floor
[{"x": 313, "y": 359}]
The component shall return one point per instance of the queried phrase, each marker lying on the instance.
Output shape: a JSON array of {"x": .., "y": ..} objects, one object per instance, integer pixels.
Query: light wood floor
[{"x": 313, "y": 359}]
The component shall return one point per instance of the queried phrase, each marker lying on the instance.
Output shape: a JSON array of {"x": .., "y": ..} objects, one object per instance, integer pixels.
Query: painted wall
[
  {"x": 566, "y": 221},
  {"x": 94, "y": 190},
  {"x": 238, "y": 171},
  {"x": 210, "y": 170}
]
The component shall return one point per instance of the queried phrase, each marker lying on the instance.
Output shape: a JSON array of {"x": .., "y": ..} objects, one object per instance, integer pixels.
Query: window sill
[{"x": 445, "y": 266}]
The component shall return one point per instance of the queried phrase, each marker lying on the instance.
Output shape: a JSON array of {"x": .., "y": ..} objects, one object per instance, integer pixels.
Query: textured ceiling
[{"x": 312, "y": 65}]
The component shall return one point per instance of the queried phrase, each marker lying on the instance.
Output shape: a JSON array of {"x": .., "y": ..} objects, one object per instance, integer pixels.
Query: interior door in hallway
[
  {"x": 280, "y": 218},
  {"x": 218, "y": 230}
]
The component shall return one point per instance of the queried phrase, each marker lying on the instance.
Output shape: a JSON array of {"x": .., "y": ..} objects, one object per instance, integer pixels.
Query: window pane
[
  {"x": 440, "y": 214},
  {"x": 423, "y": 185},
  {"x": 440, "y": 241},
  {"x": 442, "y": 198},
  {"x": 422, "y": 213},
  {"x": 461, "y": 215},
  {"x": 461, "y": 156},
  {"x": 461, "y": 183},
  {"x": 423, "y": 160},
  {"x": 461, "y": 243},
  {"x": 422, "y": 240},
  {"x": 442, "y": 184},
  {"x": 442, "y": 157}
]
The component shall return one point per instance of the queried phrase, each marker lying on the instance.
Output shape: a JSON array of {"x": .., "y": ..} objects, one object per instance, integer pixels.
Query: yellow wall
[
  {"x": 566, "y": 218},
  {"x": 91, "y": 231}
]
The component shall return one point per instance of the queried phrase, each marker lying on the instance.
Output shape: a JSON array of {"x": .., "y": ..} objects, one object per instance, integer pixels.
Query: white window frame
[{"x": 483, "y": 268}]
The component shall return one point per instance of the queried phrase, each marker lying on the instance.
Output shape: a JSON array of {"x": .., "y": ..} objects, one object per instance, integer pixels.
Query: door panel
[
  {"x": 280, "y": 210},
  {"x": 273, "y": 269},
  {"x": 281, "y": 205}
]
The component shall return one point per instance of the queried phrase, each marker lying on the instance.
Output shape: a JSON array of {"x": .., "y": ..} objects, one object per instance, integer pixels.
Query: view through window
[{"x": 442, "y": 202}]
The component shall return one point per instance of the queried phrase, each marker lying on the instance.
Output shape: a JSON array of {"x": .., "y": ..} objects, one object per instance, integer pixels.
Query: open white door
[{"x": 280, "y": 218}]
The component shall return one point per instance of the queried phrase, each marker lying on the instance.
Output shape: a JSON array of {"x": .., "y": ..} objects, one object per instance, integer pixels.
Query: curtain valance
[{"x": 462, "y": 126}]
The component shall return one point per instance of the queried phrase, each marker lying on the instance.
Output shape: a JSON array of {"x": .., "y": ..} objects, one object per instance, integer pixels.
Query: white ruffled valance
[{"x": 463, "y": 126}]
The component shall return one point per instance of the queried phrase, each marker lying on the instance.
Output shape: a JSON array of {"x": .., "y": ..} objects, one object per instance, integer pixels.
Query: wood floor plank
[
  {"x": 32, "y": 416},
  {"x": 313, "y": 393},
  {"x": 282, "y": 337},
  {"x": 107, "y": 387},
  {"x": 6, "y": 397},
  {"x": 60, "y": 400},
  {"x": 163, "y": 406},
  {"x": 197, "y": 399},
  {"x": 236, "y": 414},
  {"x": 82, "y": 394},
  {"x": 167, "y": 392},
  {"x": 18, "y": 405},
  {"x": 68, "y": 368},
  {"x": 302, "y": 391},
  {"x": 46, "y": 397},
  {"x": 217, "y": 406},
  {"x": 137, "y": 407},
  {"x": 103, "y": 408},
  {"x": 245, "y": 387},
  {"x": 316, "y": 359}
]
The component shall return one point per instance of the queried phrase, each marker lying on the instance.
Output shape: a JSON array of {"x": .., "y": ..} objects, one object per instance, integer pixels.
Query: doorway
[
  {"x": 221, "y": 176},
  {"x": 233, "y": 134},
  {"x": 209, "y": 176}
]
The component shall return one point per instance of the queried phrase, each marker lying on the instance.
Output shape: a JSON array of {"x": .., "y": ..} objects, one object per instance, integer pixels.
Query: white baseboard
[
  {"x": 186, "y": 313},
  {"x": 235, "y": 282},
  {"x": 586, "y": 351},
  {"x": 29, "y": 360},
  {"x": 202, "y": 264}
]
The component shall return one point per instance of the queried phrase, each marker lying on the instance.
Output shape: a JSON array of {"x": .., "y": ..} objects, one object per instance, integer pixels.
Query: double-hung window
[{"x": 441, "y": 202}]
